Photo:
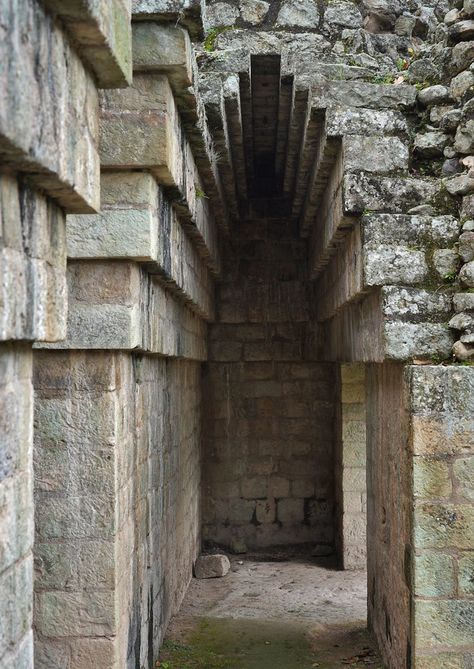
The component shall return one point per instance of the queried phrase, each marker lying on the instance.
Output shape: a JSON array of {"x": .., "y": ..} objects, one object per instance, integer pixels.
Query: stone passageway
[
  {"x": 272, "y": 612},
  {"x": 236, "y": 315}
]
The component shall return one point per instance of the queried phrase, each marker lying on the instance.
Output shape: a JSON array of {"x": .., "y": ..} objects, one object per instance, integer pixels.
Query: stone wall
[
  {"x": 389, "y": 513},
  {"x": 357, "y": 118},
  {"x": 350, "y": 469},
  {"x": 268, "y": 424},
  {"x": 117, "y": 474},
  {"x": 442, "y": 457},
  {"x": 49, "y": 167}
]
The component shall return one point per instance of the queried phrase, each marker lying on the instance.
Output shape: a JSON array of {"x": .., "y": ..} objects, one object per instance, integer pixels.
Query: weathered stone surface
[
  {"x": 363, "y": 192},
  {"x": 141, "y": 128},
  {"x": 445, "y": 262},
  {"x": 221, "y": 14},
  {"x": 342, "y": 14},
  {"x": 466, "y": 274},
  {"x": 254, "y": 11},
  {"x": 431, "y": 144},
  {"x": 102, "y": 31},
  {"x": 434, "y": 575},
  {"x": 433, "y": 95},
  {"x": 375, "y": 154},
  {"x": 35, "y": 118},
  {"x": 298, "y": 13},
  {"x": 188, "y": 13},
  {"x": 211, "y": 566}
]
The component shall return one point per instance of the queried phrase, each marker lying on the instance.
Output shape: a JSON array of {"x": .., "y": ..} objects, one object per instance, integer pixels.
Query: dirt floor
[{"x": 266, "y": 614}]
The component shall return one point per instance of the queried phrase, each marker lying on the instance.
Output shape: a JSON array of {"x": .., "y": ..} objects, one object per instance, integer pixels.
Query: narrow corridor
[{"x": 296, "y": 613}]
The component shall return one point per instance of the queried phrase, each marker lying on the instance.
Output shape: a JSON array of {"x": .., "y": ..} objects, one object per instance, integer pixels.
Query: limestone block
[
  {"x": 357, "y": 121},
  {"x": 374, "y": 154},
  {"x": 142, "y": 226},
  {"x": 141, "y": 129},
  {"x": 116, "y": 305},
  {"x": 396, "y": 229},
  {"x": 165, "y": 49},
  {"x": 443, "y": 525},
  {"x": 431, "y": 144},
  {"x": 48, "y": 131},
  {"x": 443, "y": 623},
  {"x": 16, "y": 606},
  {"x": 433, "y": 95},
  {"x": 434, "y": 575},
  {"x": 21, "y": 656},
  {"x": 414, "y": 304},
  {"x": 254, "y": 11},
  {"x": 189, "y": 13},
  {"x": 362, "y": 94},
  {"x": 410, "y": 340},
  {"x": 85, "y": 652},
  {"x": 441, "y": 661},
  {"x": 463, "y": 470},
  {"x": 265, "y": 511},
  {"x": 379, "y": 194},
  {"x": 102, "y": 33},
  {"x": 211, "y": 566},
  {"x": 341, "y": 14},
  {"x": 221, "y": 14},
  {"x": 68, "y": 614},
  {"x": 33, "y": 301},
  {"x": 465, "y": 575},
  {"x": 431, "y": 478},
  {"x": 290, "y": 511},
  {"x": 298, "y": 14},
  {"x": 384, "y": 265}
]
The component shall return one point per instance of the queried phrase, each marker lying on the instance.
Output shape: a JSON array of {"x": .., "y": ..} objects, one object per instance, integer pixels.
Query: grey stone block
[{"x": 211, "y": 566}]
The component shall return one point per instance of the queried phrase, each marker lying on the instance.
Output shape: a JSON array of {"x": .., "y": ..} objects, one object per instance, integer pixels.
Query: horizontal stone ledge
[
  {"x": 116, "y": 305},
  {"x": 362, "y": 121},
  {"x": 363, "y": 332},
  {"x": 137, "y": 223},
  {"x": 168, "y": 50},
  {"x": 363, "y": 94},
  {"x": 186, "y": 13},
  {"x": 32, "y": 264},
  {"x": 102, "y": 36},
  {"x": 51, "y": 137},
  {"x": 141, "y": 129}
]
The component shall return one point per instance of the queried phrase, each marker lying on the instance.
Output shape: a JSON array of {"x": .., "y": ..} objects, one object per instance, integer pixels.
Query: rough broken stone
[
  {"x": 211, "y": 566},
  {"x": 298, "y": 14},
  {"x": 431, "y": 144},
  {"x": 466, "y": 275},
  {"x": 450, "y": 120},
  {"x": 461, "y": 84},
  {"x": 433, "y": 95},
  {"x": 446, "y": 262},
  {"x": 343, "y": 13},
  {"x": 466, "y": 246},
  {"x": 463, "y": 352},
  {"x": 221, "y": 14},
  {"x": 464, "y": 140},
  {"x": 254, "y": 11},
  {"x": 463, "y": 321},
  {"x": 381, "y": 14},
  {"x": 462, "y": 184}
]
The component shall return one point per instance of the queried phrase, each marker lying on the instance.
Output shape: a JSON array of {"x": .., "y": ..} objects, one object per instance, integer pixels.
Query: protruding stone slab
[
  {"x": 102, "y": 33},
  {"x": 138, "y": 223},
  {"x": 117, "y": 305},
  {"x": 211, "y": 566},
  {"x": 187, "y": 13},
  {"x": 141, "y": 128},
  {"x": 48, "y": 134}
]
